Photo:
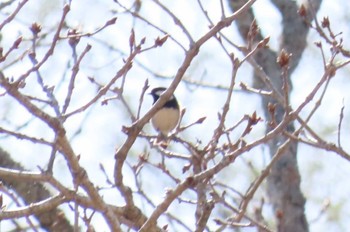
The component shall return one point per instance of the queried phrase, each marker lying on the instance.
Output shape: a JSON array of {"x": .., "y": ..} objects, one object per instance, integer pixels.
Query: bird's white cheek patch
[
  {"x": 159, "y": 92},
  {"x": 165, "y": 120}
]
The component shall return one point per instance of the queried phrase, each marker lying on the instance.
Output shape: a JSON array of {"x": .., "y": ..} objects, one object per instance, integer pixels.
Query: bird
[{"x": 167, "y": 117}]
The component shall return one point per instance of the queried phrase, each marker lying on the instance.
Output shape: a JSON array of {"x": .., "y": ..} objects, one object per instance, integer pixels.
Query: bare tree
[
  {"x": 57, "y": 82},
  {"x": 284, "y": 179}
]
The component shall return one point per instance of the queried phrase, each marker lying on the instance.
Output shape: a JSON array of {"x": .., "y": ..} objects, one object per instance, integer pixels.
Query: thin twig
[{"x": 341, "y": 117}]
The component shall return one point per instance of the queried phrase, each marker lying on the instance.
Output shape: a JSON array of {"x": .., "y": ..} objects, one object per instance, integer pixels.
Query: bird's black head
[{"x": 171, "y": 103}]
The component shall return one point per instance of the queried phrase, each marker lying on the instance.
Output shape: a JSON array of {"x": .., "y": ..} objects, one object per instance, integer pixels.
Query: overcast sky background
[{"x": 324, "y": 175}]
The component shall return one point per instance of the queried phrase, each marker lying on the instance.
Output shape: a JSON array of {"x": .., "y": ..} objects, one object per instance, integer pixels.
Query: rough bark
[{"x": 32, "y": 192}]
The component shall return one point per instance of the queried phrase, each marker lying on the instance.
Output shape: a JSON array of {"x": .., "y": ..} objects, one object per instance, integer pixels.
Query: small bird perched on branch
[{"x": 167, "y": 118}]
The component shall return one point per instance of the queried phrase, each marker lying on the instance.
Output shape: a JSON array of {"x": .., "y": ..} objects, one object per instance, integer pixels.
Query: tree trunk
[{"x": 284, "y": 179}]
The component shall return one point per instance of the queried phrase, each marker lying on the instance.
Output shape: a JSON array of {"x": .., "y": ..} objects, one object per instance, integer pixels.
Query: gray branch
[
  {"x": 284, "y": 179},
  {"x": 31, "y": 192}
]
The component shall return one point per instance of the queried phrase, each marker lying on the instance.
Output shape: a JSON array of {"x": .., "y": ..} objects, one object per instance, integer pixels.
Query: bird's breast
[{"x": 165, "y": 120}]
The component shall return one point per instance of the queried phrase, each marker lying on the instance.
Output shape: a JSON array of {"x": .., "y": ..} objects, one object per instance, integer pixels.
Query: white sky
[{"x": 324, "y": 175}]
